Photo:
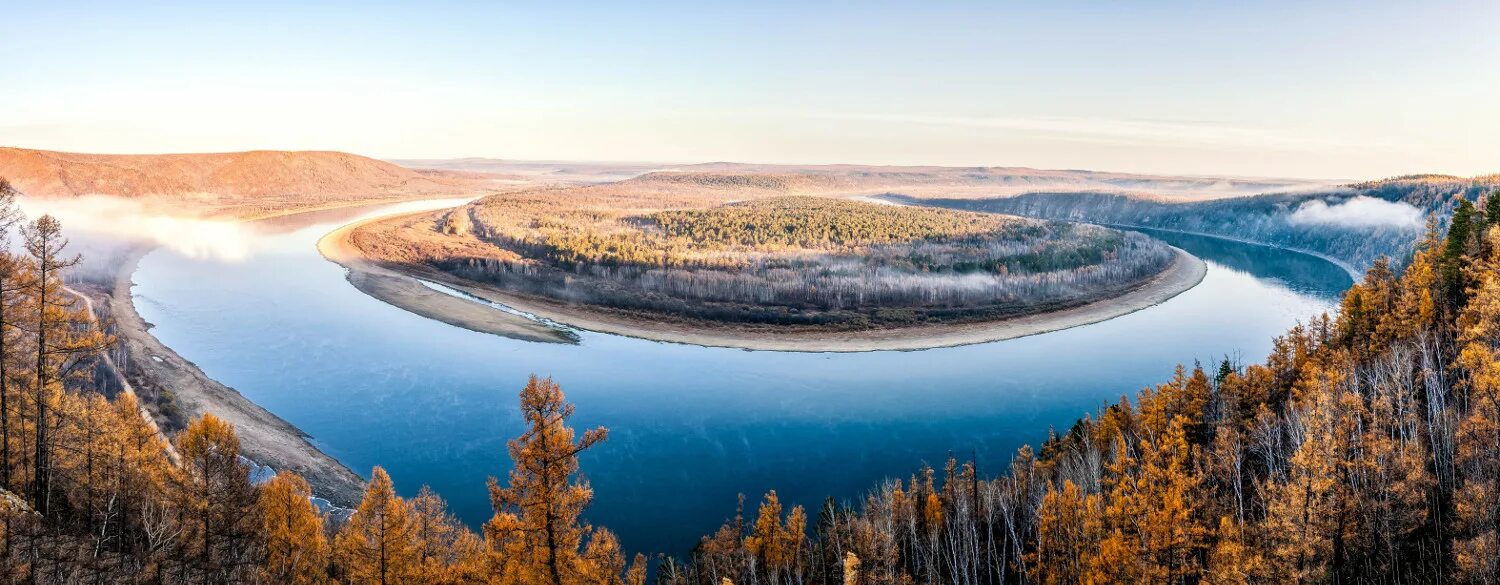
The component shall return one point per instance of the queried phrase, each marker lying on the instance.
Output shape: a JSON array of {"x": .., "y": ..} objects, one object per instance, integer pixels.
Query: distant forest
[
  {"x": 798, "y": 260},
  {"x": 1262, "y": 219}
]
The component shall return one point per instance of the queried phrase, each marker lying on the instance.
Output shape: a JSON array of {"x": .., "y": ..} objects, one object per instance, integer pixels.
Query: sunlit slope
[{"x": 227, "y": 180}]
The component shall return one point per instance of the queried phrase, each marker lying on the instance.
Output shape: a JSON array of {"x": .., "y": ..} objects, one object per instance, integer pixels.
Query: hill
[
  {"x": 558, "y": 171},
  {"x": 968, "y": 182},
  {"x": 851, "y": 179},
  {"x": 241, "y": 182}
]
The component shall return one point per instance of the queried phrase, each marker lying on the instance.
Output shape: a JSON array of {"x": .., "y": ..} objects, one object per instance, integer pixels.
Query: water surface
[{"x": 689, "y": 427}]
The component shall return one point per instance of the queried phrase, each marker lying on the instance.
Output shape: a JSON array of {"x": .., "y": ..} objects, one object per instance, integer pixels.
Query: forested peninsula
[{"x": 658, "y": 259}]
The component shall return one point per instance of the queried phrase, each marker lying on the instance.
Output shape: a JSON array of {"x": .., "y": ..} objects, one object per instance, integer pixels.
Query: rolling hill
[{"x": 237, "y": 182}]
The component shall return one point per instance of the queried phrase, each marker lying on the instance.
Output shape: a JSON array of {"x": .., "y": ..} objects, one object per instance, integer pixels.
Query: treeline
[
  {"x": 1264, "y": 219},
  {"x": 823, "y": 223}
]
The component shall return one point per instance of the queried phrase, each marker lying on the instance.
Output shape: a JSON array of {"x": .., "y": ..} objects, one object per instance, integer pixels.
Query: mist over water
[
  {"x": 1359, "y": 212},
  {"x": 691, "y": 428},
  {"x": 99, "y": 219}
]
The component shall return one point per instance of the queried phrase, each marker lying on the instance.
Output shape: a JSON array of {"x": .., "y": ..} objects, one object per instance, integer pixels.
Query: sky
[{"x": 1329, "y": 89}]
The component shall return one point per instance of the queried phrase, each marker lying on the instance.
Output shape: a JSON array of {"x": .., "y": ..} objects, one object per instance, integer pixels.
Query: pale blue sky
[{"x": 1324, "y": 90}]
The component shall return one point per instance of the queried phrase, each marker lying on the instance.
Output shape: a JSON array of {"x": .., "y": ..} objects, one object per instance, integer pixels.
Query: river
[{"x": 689, "y": 427}]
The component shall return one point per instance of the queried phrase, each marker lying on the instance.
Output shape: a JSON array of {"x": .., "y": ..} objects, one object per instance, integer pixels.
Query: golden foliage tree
[
  {"x": 777, "y": 545},
  {"x": 217, "y": 502},
  {"x": 1064, "y": 543},
  {"x": 447, "y": 551},
  {"x": 1477, "y": 505},
  {"x": 378, "y": 545},
  {"x": 536, "y": 533},
  {"x": 60, "y": 331},
  {"x": 296, "y": 552}
]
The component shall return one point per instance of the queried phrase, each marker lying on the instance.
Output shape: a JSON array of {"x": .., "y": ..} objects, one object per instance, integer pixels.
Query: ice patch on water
[{"x": 453, "y": 292}]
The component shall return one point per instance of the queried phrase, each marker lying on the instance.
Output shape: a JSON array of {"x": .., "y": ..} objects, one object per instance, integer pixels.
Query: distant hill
[
  {"x": 539, "y": 170},
  {"x": 250, "y": 181},
  {"x": 985, "y": 182},
  {"x": 874, "y": 179}
]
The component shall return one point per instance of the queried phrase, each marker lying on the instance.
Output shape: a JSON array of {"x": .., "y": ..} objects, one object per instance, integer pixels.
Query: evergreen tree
[{"x": 1456, "y": 247}]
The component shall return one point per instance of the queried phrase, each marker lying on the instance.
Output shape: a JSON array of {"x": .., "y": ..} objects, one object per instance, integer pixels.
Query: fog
[
  {"x": 1358, "y": 212},
  {"x": 95, "y": 220}
]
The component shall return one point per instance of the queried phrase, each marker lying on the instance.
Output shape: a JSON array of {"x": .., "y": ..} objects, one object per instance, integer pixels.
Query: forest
[
  {"x": 793, "y": 260},
  {"x": 1363, "y": 449},
  {"x": 1264, "y": 219}
]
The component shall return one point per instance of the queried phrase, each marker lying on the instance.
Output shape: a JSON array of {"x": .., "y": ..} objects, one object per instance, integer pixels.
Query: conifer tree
[
  {"x": 378, "y": 545},
  {"x": 1064, "y": 545},
  {"x": 536, "y": 530},
  {"x": 219, "y": 504},
  {"x": 1301, "y": 515},
  {"x": 447, "y": 551},
  {"x": 60, "y": 331},
  {"x": 1233, "y": 560},
  {"x": 296, "y": 551},
  {"x": 1477, "y": 504},
  {"x": 1461, "y": 235},
  {"x": 776, "y": 545},
  {"x": 13, "y": 280}
]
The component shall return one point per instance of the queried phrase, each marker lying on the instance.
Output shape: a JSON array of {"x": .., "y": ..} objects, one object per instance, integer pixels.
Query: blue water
[{"x": 689, "y": 427}]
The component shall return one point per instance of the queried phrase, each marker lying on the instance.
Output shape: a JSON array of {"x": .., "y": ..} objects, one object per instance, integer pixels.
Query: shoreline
[
  {"x": 1185, "y": 272},
  {"x": 1353, "y": 272},
  {"x": 265, "y": 438},
  {"x": 407, "y": 293},
  {"x": 152, "y": 367}
]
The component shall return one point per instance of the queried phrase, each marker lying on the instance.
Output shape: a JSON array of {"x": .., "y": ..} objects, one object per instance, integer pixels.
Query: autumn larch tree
[
  {"x": 215, "y": 496},
  {"x": 447, "y": 551},
  {"x": 296, "y": 552},
  {"x": 1477, "y": 549},
  {"x": 377, "y": 546},
  {"x": 536, "y": 531},
  {"x": 12, "y": 282},
  {"x": 57, "y": 336}
]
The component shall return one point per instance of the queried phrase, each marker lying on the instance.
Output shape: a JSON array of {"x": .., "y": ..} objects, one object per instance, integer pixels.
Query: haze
[{"x": 1328, "y": 90}]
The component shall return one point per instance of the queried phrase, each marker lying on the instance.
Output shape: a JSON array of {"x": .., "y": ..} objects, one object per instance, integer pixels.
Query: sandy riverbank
[
  {"x": 406, "y": 292},
  {"x": 154, "y": 370},
  {"x": 1185, "y": 272}
]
